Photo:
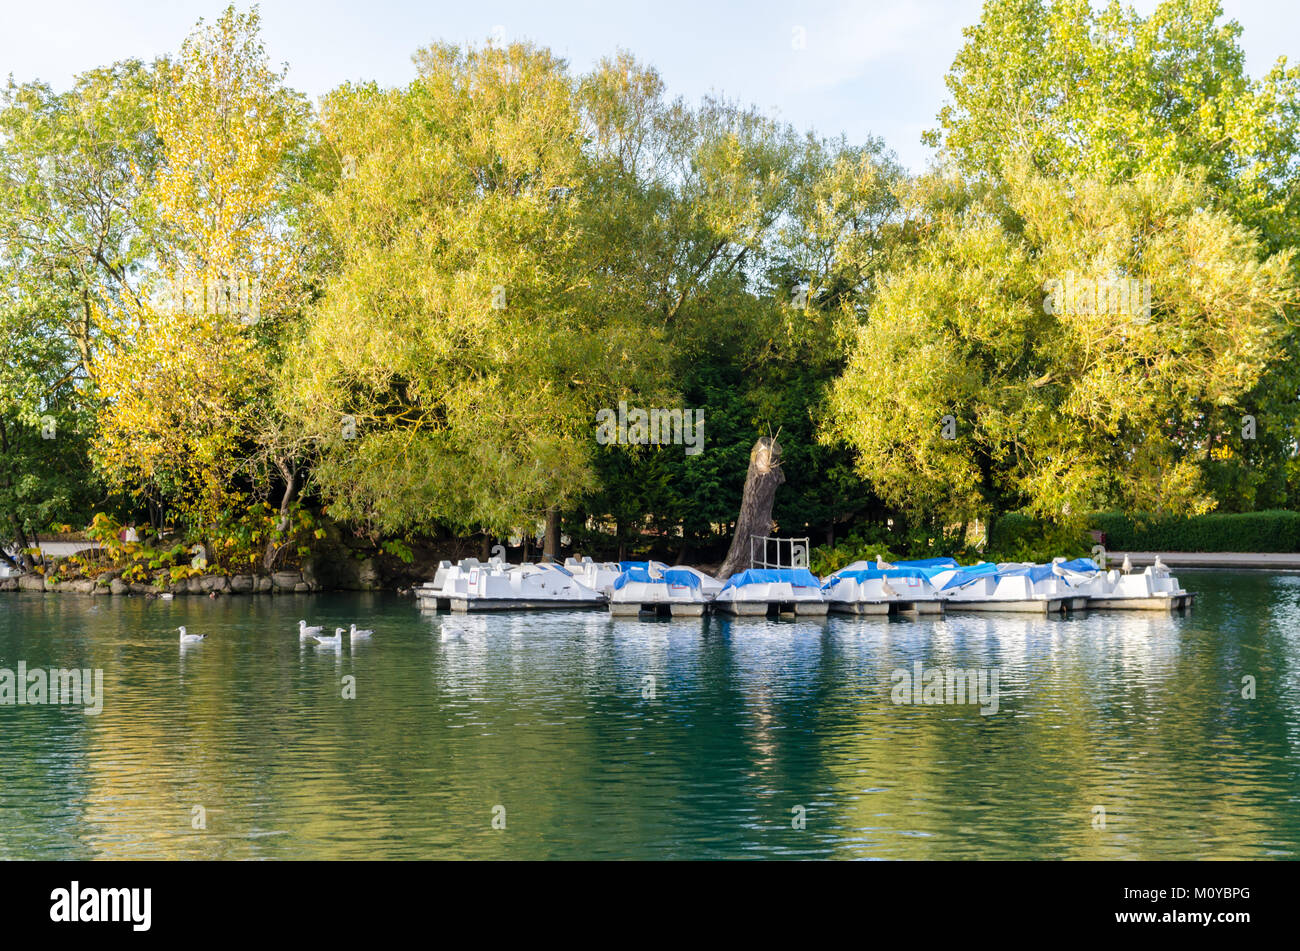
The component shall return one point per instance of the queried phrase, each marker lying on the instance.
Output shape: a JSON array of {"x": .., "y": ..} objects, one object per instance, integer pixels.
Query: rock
[
  {"x": 84, "y": 586},
  {"x": 194, "y": 585},
  {"x": 368, "y": 574},
  {"x": 31, "y": 582},
  {"x": 242, "y": 584},
  {"x": 118, "y": 586},
  {"x": 301, "y": 587},
  {"x": 286, "y": 580},
  {"x": 8, "y": 584},
  {"x": 106, "y": 577},
  {"x": 142, "y": 589},
  {"x": 264, "y": 585},
  {"x": 217, "y": 583}
]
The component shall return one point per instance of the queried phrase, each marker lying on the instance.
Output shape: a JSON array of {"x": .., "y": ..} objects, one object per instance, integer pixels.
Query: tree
[
  {"x": 184, "y": 371},
  {"x": 1013, "y": 361}
]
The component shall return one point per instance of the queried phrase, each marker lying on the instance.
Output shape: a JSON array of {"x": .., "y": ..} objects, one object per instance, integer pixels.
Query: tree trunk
[
  {"x": 755, "y": 520},
  {"x": 485, "y": 548},
  {"x": 273, "y": 548},
  {"x": 551, "y": 543}
]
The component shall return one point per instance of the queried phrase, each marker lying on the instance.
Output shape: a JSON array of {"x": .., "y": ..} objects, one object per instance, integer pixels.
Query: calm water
[{"x": 551, "y": 717}]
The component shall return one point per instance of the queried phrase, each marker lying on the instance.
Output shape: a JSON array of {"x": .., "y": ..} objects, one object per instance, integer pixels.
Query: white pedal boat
[
  {"x": 597, "y": 575},
  {"x": 762, "y": 591},
  {"x": 992, "y": 587},
  {"x": 1154, "y": 589},
  {"x": 654, "y": 588},
  {"x": 448, "y": 581},
  {"x": 502, "y": 587},
  {"x": 867, "y": 588}
]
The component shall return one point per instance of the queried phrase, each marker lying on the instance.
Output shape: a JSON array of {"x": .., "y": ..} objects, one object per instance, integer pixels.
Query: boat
[
  {"x": 867, "y": 588},
  {"x": 448, "y": 580},
  {"x": 597, "y": 575},
  {"x": 1153, "y": 589},
  {"x": 988, "y": 586},
  {"x": 654, "y": 588},
  {"x": 497, "y": 586},
  {"x": 762, "y": 591}
]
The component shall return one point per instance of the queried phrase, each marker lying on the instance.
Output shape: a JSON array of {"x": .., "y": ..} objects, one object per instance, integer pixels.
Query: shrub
[{"x": 1270, "y": 531}]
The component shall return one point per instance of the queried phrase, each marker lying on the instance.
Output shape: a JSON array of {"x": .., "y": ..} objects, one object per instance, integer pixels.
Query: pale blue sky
[{"x": 865, "y": 67}]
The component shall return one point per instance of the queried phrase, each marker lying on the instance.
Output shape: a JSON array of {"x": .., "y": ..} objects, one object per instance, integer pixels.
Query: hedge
[{"x": 1271, "y": 531}]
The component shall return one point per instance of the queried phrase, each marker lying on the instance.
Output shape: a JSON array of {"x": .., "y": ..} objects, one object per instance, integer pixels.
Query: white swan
[
  {"x": 305, "y": 631},
  {"x": 190, "y": 638},
  {"x": 355, "y": 632}
]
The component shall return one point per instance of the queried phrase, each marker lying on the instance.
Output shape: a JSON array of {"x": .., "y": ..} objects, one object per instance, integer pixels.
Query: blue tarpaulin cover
[
  {"x": 927, "y": 563},
  {"x": 867, "y": 574},
  {"x": 966, "y": 575},
  {"x": 799, "y": 577},
  {"x": 1080, "y": 564},
  {"x": 677, "y": 576},
  {"x": 1035, "y": 573}
]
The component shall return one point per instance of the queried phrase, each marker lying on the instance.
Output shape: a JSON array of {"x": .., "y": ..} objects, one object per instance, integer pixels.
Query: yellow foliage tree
[{"x": 184, "y": 371}]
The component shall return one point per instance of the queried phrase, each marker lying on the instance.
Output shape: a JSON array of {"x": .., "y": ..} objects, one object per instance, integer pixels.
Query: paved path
[{"x": 1277, "y": 561}]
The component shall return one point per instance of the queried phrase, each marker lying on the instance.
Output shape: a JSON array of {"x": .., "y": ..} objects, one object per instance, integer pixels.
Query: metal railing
[{"x": 767, "y": 551}]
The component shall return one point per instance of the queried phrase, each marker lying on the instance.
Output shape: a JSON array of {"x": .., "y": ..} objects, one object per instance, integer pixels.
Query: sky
[{"x": 863, "y": 68}]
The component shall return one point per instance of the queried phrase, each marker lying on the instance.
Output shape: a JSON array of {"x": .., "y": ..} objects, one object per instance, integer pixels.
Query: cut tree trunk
[
  {"x": 755, "y": 520},
  {"x": 551, "y": 543}
]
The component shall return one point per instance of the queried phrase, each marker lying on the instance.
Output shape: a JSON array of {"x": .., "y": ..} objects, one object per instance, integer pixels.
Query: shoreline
[
  {"x": 279, "y": 582},
  {"x": 292, "y": 581}
]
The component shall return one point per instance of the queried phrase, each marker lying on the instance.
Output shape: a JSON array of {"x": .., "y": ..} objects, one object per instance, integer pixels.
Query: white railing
[{"x": 767, "y": 551}]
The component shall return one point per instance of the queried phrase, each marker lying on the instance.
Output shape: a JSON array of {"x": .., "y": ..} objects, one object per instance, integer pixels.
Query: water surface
[{"x": 599, "y": 738}]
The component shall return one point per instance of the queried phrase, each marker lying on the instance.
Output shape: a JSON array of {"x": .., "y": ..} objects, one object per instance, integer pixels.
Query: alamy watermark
[
  {"x": 1082, "y": 296},
  {"x": 238, "y": 297},
  {"x": 81, "y": 687},
  {"x": 654, "y": 427},
  {"x": 946, "y": 685}
]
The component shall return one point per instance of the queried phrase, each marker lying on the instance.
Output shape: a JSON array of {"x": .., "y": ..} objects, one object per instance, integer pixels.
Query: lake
[{"x": 572, "y": 735}]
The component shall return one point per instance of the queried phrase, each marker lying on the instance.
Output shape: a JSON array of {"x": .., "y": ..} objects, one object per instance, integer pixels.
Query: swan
[
  {"x": 355, "y": 633},
  {"x": 190, "y": 638},
  {"x": 305, "y": 631}
]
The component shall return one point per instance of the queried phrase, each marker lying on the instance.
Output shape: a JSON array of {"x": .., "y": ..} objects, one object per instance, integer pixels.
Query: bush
[
  {"x": 1271, "y": 531},
  {"x": 1019, "y": 537}
]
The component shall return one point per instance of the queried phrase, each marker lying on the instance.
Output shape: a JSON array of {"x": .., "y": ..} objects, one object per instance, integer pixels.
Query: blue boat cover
[
  {"x": 1080, "y": 564},
  {"x": 867, "y": 574},
  {"x": 927, "y": 563},
  {"x": 966, "y": 575},
  {"x": 675, "y": 576},
  {"x": 1035, "y": 573},
  {"x": 799, "y": 577}
]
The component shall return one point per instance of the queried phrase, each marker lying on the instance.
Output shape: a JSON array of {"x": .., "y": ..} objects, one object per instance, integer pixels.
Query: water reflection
[{"x": 700, "y": 738}]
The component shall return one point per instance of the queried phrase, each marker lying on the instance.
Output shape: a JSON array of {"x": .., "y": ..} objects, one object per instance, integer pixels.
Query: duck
[
  {"x": 305, "y": 631},
  {"x": 354, "y": 633},
  {"x": 187, "y": 638}
]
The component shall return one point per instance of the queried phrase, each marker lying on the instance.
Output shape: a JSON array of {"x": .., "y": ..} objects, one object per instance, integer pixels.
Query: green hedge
[{"x": 1275, "y": 531}]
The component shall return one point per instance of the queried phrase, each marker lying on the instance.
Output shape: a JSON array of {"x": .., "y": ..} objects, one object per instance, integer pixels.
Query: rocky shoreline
[{"x": 290, "y": 581}]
